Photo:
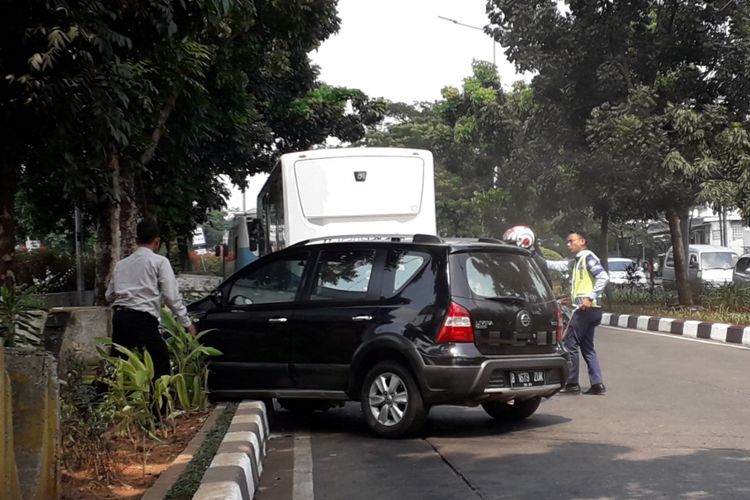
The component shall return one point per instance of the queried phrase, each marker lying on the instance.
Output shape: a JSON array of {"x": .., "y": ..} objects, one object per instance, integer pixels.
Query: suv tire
[
  {"x": 512, "y": 410},
  {"x": 391, "y": 401}
]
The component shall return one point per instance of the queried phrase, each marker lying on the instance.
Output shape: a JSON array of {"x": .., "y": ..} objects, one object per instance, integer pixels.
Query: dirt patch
[{"x": 128, "y": 478}]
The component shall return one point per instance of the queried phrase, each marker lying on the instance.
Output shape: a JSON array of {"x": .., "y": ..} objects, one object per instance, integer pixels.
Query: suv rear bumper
[{"x": 490, "y": 380}]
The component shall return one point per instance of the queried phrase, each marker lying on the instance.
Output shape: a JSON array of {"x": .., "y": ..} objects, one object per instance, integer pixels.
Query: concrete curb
[
  {"x": 235, "y": 471},
  {"x": 169, "y": 477},
  {"x": 719, "y": 332}
]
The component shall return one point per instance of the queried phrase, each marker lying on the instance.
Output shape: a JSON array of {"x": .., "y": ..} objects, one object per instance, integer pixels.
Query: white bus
[
  {"x": 347, "y": 191},
  {"x": 242, "y": 242}
]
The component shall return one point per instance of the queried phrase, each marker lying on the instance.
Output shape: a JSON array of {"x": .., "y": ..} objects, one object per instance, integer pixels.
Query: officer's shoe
[
  {"x": 571, "y": 389},
  {"x": 597, "y": 390}
]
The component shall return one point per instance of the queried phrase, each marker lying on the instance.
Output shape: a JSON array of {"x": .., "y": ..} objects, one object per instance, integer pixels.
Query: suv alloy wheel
[
  {"x": 391, "y": 401},
  {"x": 512, "y": 410}
]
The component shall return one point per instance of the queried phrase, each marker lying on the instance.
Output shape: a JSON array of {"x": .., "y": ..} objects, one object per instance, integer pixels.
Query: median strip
[
  {"x": 719, "y": 332},
  {"x": 235, "y": 471}
]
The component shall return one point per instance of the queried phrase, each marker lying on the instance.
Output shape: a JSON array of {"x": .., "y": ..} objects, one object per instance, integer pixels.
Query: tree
[
  {"x": 609, "y": 72},
  {"x": 152, "y": 100}
]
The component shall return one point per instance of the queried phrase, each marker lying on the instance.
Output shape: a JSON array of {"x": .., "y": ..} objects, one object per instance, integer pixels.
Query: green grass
[
  {"x": 709, "y": 315},
  {"x": 724, "y": 304},
  {"x": 187, "y": 484}
]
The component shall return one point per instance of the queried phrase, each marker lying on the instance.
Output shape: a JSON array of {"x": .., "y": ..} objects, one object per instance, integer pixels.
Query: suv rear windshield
[{"x": 503, "y": 275}]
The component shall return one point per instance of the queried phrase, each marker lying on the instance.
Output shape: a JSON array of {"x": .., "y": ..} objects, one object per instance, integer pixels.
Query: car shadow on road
[{"x": 443, "y": 421}]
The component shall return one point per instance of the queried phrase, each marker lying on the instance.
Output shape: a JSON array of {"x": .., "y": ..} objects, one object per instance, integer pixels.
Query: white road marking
[
  {"x": 302, "y": 486},
  {"x": 679, "y": 337}
]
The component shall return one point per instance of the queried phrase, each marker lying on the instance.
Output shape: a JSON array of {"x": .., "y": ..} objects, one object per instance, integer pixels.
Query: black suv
[{"x": 397, "y": 323}]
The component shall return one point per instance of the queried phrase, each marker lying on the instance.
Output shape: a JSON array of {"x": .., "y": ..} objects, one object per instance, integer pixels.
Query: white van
[
  {"x": 707, "y": 265},
  {"x": 347, "y": 191}
]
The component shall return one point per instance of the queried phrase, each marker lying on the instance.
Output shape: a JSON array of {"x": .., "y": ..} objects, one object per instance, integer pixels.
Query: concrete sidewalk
[{"x": 720, "y": 332}]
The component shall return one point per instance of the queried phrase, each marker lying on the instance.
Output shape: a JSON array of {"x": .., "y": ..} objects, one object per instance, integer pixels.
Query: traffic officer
[{"x": 588, "y": 281}]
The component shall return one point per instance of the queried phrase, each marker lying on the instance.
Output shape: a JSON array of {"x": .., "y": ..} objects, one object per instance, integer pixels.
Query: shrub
[
  {"x": 729, "y": 297},
  {"x": 137, "y": 399},
  {"x": 18, "y": 309},
  {"x": 625, "y": 294},
  {"x": 188, "y": 357},
  {"x": 51, "y": 270},
  {"x": 206, "y": 263},
  {"x": 84, "y": 421}
]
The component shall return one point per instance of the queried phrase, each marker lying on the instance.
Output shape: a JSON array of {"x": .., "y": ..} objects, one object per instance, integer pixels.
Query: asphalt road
[{"x": 674, "y": 424}]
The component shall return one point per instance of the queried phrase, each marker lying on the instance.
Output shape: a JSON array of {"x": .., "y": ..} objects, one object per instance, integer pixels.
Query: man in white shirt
[{"x": 138, "y": 284}]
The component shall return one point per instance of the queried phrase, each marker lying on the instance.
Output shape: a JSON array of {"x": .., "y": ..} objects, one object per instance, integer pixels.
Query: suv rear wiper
[{"x": 506, "y": 298}]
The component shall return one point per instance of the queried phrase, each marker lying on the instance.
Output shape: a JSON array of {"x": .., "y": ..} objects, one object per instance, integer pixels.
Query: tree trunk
[
  {"x": 8, "y": 184},
  {"x": 128, "y": 212},
  {"x": 108, "y": 233},
  {"x": 604, "y": 236},
  {"x": 603, "y": 255},
  {"x": 183, "y": 252},
  {"x": 684, "y": 293}
]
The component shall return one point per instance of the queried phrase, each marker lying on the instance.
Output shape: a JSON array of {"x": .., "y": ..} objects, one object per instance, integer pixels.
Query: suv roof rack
[
  {"x": 495, "y": 241},
  {"x": 414, "y": 238}
]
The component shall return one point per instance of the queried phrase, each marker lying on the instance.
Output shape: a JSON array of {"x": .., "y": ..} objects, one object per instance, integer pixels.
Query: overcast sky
[{"x": 402, "y": 51}]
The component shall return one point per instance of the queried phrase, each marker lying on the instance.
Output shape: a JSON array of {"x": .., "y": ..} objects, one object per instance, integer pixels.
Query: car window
[
  {"x": 670, "y": 260},
  {"x": 403, "y": 265},
  {"x": 742, "y": 265},
  {"x": 343, "y": 275},
  {"x": 499, "y": 274},
  {"x": 276, "y": 281},
  {"x": 718, "y": 260}
]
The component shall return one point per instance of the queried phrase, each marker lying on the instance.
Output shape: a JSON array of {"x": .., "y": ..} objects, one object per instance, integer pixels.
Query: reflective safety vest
[{"x": 583, "y": 281}]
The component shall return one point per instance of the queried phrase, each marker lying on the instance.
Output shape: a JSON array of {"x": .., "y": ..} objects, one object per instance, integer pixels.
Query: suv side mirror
[{"x": 215, "y": 297}]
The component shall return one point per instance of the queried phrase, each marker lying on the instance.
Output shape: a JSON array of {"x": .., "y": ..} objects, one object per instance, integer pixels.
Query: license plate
[{"x": 529, "y": 378}]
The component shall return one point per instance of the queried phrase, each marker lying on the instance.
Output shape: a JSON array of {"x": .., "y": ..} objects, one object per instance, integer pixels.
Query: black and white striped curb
[
  {"x": 720, "y": 332},
  {"x": 235, "y": 471}
]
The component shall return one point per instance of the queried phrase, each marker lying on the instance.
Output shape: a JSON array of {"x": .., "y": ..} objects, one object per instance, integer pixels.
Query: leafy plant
[
  {"x": 17, "y": 313},
  {"x": 139, "y": 400},
  {"x": 85, "y": 420},
  {"x": 189, "y": 357},
  {"x": 729, "y": 297}
]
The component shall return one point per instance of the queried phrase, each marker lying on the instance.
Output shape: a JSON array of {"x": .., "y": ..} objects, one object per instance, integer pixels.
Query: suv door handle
[
  {"x": 361, "y": 318},
  {"x": 277, "y": 320}
]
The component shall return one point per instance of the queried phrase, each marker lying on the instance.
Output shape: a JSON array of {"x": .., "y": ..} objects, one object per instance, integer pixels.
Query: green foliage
[
  {"x": 729, "y": 297},
  {"x": 51, "y": 270},
  {"x": 189, "y": 482},
  {"x": 189, "y": 358},
  {"x": 214, "y": 228},
  {"x": 84, "y": 420},
  {"x": 638, "y": 98},
  {"x": 17, "y": 314},
  {"x": 110, "y": 104},
  {"x": 138, "y": 401},
  {"x": 640, "y": 295},
  {"x": 550, "y": 254}
]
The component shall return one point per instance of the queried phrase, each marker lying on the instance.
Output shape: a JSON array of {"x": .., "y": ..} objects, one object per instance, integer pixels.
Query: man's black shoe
[
  {"x": 571, "y": 389},
  {"x": 597, "y": 390}
]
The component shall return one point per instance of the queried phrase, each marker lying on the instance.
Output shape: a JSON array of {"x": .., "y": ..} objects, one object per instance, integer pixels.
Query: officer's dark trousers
[
  {"x": 580, "y": 337},
  {"x": 140, "y": 330}
]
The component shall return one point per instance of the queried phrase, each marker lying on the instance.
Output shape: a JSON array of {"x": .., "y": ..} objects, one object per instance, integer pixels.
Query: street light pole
[{"x": 474, "y": 28}]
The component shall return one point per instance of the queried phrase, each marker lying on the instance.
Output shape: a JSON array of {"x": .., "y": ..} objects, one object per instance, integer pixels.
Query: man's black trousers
[{"x": 140, "y": 330}]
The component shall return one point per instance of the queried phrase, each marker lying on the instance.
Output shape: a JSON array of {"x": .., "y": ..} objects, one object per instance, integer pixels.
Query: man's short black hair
[
  {"x": 146, "y": 232},
  {"x": 580, "y": 233}
]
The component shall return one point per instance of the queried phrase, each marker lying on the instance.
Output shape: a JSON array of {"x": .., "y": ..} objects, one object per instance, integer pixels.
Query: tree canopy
[{"x": 138, "y": 108}]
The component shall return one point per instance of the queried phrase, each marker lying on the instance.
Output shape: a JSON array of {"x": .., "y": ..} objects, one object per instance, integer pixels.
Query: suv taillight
[
  {"x": 560, "y": 331},
  {"x": 457, "y": 326}
]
